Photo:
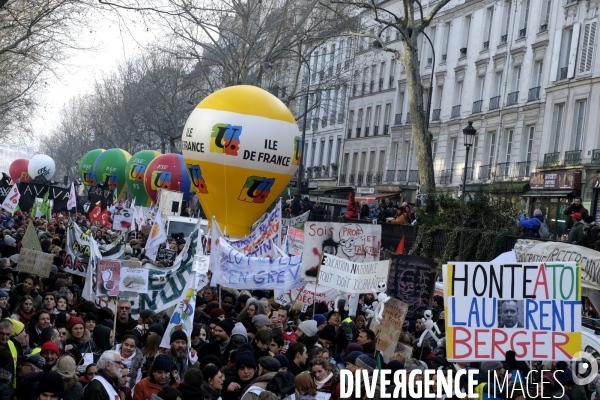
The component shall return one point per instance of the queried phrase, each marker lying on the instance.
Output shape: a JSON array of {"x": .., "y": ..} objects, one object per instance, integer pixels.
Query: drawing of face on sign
[
  {"x": 352, "y": 243},
  {"x": 406, "y": 286}
]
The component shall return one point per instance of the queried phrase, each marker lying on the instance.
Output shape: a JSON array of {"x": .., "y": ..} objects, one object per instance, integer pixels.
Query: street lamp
[
  {"x": 468, "y": 137},
  {"x": 268, "y": 65}
]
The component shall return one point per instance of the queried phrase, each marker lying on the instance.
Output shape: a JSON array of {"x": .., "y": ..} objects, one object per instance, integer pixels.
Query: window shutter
[
  {"x": 573, "y": 51},
  {"x": 591, "y": 45},
  {"x": 555, "y": 55},
  {"x": 584, "y": 48}
]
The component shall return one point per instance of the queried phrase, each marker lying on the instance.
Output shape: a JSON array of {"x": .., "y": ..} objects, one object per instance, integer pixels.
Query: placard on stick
[
  {"x": 30, "y": 240},
  {"x": 389, "y": 329},
  {"x": 35, "y": 262}
]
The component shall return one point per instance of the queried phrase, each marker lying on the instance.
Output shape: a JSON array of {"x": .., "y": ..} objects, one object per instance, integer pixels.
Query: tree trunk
[{"x": 418, "y": 113}]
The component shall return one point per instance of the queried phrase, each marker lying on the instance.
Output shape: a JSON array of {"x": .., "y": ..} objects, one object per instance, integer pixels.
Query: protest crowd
[{"x": 54, "y": 344}]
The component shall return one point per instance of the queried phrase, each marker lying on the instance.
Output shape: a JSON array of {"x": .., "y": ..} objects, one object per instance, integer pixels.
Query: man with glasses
[
  {"x": 104, "y": 386},
  {"x": 30, "y": 371},
  {"x": 124, "y": 320}
]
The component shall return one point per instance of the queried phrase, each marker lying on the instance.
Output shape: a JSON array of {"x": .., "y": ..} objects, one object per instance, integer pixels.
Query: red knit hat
[
  {"x": 216, "y": 313},
  {"x": 50, "y": 346},
  {"x": 576, "y": 216},
  {"x": 74, "y": 321}
]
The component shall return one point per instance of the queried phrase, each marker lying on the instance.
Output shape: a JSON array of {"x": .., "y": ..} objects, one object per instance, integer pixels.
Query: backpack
[{"x": 544, "y": 232}]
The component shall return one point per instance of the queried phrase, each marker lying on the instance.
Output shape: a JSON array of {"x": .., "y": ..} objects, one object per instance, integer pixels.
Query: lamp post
[
  {"x": 268, "y": 65},
  {"x": 468, "y": 137}
]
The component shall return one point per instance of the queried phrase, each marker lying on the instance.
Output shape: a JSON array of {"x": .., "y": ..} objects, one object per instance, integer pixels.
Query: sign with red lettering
[
  {"x": 358, "y": 243},
  {"x": 531, "y": 308}
]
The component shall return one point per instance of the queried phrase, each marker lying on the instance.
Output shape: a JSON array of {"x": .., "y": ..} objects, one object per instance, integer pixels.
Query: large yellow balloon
[{"x": 241, "y": 146}]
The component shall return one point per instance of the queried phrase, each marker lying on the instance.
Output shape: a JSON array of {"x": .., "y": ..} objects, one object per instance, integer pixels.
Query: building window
[
  {"x": 489, "y": 19},
  {"x": 321, "y": 152},
  {"x": 492, "y": 148},
  {"x": 587, "y": 47},
  {"x": 558, "y": 120},
  {"x": 338, "y": 150},
  {"x": 545, "y": 15},
  {"x": 579, "y": 123},
  {"x": 524, "y": 17},
  {"x": 529, "y": 146},
  {"x": 505, "y": 21},
  {"x": 509, "y": 144},
  {"x": 452, "y": 153}
]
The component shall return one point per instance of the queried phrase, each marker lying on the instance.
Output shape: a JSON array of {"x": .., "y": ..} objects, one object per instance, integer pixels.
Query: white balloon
[{"x": 41, "y": 164}]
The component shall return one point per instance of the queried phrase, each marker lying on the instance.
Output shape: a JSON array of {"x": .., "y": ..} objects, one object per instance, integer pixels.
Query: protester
[
  {"x": 132, "y": 358},
  {"x": 158, "y": 377},
  {"x": 50, "y": 387},
  {"x": 244, "y": 371},
  {"x": 66, "y": 367},
  {"x": 104, "y": 386}
]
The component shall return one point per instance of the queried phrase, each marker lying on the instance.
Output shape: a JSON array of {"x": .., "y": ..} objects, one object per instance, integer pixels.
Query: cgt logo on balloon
[
  {"x": 225, "y": 139},
  {"x": 256, "y": 189},
  {"x": 197, "y": 179}
]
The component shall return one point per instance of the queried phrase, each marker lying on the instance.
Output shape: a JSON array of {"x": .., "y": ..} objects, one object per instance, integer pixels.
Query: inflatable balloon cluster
[
  {"x": 39, "y": 166},
  {"x": 241, "y": 147}
]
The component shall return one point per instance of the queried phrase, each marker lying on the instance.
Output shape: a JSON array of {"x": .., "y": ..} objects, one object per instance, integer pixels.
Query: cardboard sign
[
  {"x": 35, "y": 262},
  {"x": 31, "y": 239},
  {"x": 412, "y": 280},
  {"x": 307, "y": 295},
  {"x": 389, "y": 329},
  {"x": 295, "y": 240},
  {"x": 167, "y": 255},
  {"x": 123, "y": 219},
  {"x": 350, "y": 277},
  {"x": 109, "y": 273},
  {"x": 134, "y": 280},
  {"x": 531, "y": 308}
]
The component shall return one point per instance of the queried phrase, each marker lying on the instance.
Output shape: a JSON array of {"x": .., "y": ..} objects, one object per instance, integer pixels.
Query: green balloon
[
  {"x": 110, "y": 167},
  {"x": 86, "y": 167},
  {"x": 136, "y": 167}
]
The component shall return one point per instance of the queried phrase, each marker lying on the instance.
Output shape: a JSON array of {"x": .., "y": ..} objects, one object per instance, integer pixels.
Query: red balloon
[
  {"x": 167, "y": 171},
  {"x": 18, "y": 170}
]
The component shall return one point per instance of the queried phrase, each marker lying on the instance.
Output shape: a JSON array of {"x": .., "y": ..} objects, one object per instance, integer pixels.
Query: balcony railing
[
  {"x": 340, "y": 119},
  {"x": 349, "y": 133},
  {"x": 455, "y": 111},
  {"x": 398, "y": 119},
  {"x": 371, "y": 86},
  {"x": 357, "y": 132},
  {"x": 551, "y": 159},
  {"x": 503, "y": 171},
  {"x": 380, "y": 84},
  {"x": 463, "y": 52},
  {"x": 369, "y": 180},
  {"x": 317, "y": 173},
  {"x": 391, "y": 82},
  {"x": 351, "y": 179},
  {"x": 562, "y": 73},
  {"x": 534, "y": 94},
  {"x": 469, "y": 173},
  {"x": 436, "y": 114},
  {"x": 494, "y": 103},
  {"x": 407, "y": 118},
  {"x": 324, "y": 122},
  {"x": 359, "y": 178},
  {"x": 595, "y": 157},
  {"x": 512, "y": 98},
  {"x": 367, "y": 128},
  {"x": 342, "y": 178},
  {"x": 543, "y": 26},
  {"x": 485, "y": 172},
  {"x": 390, "y": 174},
  {"x": 477, "y": 106},
  {"x": 363, "y": 88},
  {"x": 446, "y": 177},
  {"x": 377, "y": 178},
  {"x": 503, "y": 39},
  {"x": 523, "y": 169},
  {"x": 573, "y": 157},
  {"x": 401, "y": 175},
  {"x": 413, "y": 175},
  {"x": 386, "y": 129},
  {"x": 376, "y": 130},
  {"x": 444, "y": 57}
]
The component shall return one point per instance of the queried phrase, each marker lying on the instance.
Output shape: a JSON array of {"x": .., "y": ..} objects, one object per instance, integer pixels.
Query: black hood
[{"x": 282, "y": 383}]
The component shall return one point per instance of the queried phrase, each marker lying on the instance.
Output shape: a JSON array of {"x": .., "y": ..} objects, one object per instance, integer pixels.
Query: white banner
[
  {"x": 259, "y": 243},
  {"x": 307, "y": 295},
  {"x": 72, "y": 202},
  {"x": 156, "y": 238},
  {"x": 235, "y": 270},
  {"x": 296, "y": 221},
  {"x": 182, "y": 318},
  {"x": 353, "y": 242},
  {"x": 11, "y": 201},
  {"x": 350, "y": 277}
]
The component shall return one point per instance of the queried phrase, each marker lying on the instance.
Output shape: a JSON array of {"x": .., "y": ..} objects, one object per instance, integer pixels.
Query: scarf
[
  {"x": 322, "y": 383},
  {"x": 25, "y": 317}
]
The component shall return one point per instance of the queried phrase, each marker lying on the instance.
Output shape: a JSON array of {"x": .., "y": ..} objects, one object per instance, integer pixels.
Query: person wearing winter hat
[
  {"x": 182, "y": 356},
  {"x": 103, "y": 338},
  {"x": 267, "y": 369},
  {"x": 307, "y": 328},
  {"x": 4, "y": 303},
  {"x": 156, "y": 329},
  {"x": 79, "y": 336},
  {"x": 239, "y": 335},
  {"x": 366, "y": 362},
  {"x": 50, "y": 387},
  {"x": 576, "y": 234},
  {"x": 307, "y": 334},
  {"x": 261, "y": 321},
  {"x": 283, "y": 360},
  {"x": 31, "y": 370},
  {"x": 245, "y": 369},
  {"x": 65, "y": 367},
  {"x": 218, "y": 313},
  {"x": 321, "y": 321},
  {"x": 90, "y": 320},
  {"x": 221, "y": 345},
  {"x": 50, "y": 352},
  {"x": 159, "y": 376}
]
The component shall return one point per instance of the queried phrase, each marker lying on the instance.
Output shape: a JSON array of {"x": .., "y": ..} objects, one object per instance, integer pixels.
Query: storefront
[
  {"x": 552, "y": 192},
  {"x": 592, "y": 192},
  {"x": 334, "y": 199}
]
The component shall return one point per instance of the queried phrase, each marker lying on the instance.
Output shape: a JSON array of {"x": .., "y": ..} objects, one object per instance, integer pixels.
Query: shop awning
[
  {"x": 374, "y": 198},
  {"x": 547, "y": 193},
  {"x": 330, "y": 190}
]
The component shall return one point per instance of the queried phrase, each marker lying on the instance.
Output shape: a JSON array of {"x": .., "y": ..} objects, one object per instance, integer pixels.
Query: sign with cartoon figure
[
  {"x": 531, "y": 308},
  {"x": 412, "y": 280},
  {"x": 182, "y": 318},
  {"x": 241, "y": 147},
  {"x": 109, "y": 272},
  {"x": 354, "y": 242}
]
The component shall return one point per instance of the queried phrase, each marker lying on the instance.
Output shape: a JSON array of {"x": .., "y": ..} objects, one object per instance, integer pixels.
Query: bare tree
[{"x": 411, "y": 22}]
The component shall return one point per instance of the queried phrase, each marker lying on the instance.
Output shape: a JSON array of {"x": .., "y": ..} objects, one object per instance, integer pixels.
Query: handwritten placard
[
  {"x": 167, "y": 255},
  {"x": 35, "y": 262},
  {"x": 412, "y": 280},
  {"x": 389, "y": 329},
  {"x": 352, "y": 277},
  {"x": 30, "y": 239}
]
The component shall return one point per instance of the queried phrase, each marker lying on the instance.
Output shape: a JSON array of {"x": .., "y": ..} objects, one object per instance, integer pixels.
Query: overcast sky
[{"x": 112, "y": 39}]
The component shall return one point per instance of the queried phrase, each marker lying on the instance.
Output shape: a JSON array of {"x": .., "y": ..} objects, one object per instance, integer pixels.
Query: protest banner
[
  {"x": 307, "y": 294},
  {"x": 388, "y": 330},
  {"x": 528, "y": 250},
  {"x": 157, "y": 236},
  {"x": 78, "y": 250},
  {"x": 108, "y": 278},
  {"x": 172, "y": 281},
  {"x": 531, "y": 308},
  {"x": 122, "y": 219},
  {"x": 30, "y": 191},
  {"x": 352, "y": 277},
  {"x": 295, "y": 240},
  {"x": 11, "y": 202},
  {"x": 165, "y": 254},
  {"x": 412, "y": 280},
  {"x": 296, "y": 221},
  {"x": 354, "y": 242},
  {"x": 31, "y": 239},
  {"x": 133, "y": 278},
  {"x": 259, "y": 243},
  {"x": 182, "y": 318},
  {"x": 238, "y": 271},
  {"x": 35, "y": 262}
]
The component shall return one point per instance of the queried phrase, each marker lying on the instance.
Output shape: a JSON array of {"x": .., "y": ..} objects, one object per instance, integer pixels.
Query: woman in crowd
[
  {"x": 40, "y": 321},
  {"x": 305, "y": 385},
  {"x": 150, "y": 351},
  {"x": 65, "y": 367},
  {"x": 253, "y": 308},
  {"x": 25, "y": 310},
  {"x": 79, "y": 336},
  {"x": 244, "y": 372},
  {"x": 90, "y": 372},
  {"x": 62, "y": 305},
  {"x": 132, "y": 358},
  {"x": 326, "y": 380},
  {"x": 213, "y": 382},
  {"x": 158, "y": 377}
]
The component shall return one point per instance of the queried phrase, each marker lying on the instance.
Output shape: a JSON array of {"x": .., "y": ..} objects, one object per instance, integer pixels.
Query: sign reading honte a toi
[{"x": 531, "y": 308}]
